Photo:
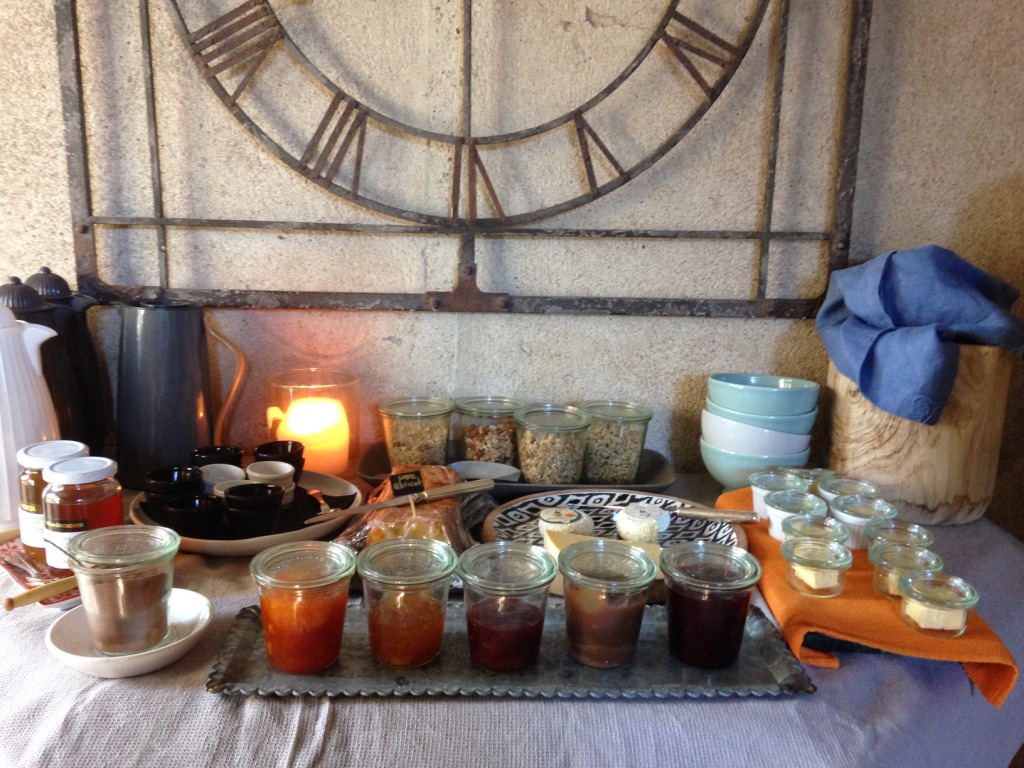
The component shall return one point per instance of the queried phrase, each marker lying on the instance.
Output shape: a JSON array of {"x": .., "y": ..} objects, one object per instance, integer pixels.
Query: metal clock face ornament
[{"x": 683, "y": 66}]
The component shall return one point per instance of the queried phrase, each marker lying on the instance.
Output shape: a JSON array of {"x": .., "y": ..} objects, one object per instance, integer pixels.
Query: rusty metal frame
[{"x": 465, "y": 295}]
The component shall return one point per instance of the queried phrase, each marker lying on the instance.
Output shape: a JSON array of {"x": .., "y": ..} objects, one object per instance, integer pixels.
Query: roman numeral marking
[
  {"x": 583, "y": 131},
  {"x": 243, "y": 37},
  {"x": 330, "y": 154},
  {"x": 475, "y": 167},
  {"x": 709, "y": 46}
]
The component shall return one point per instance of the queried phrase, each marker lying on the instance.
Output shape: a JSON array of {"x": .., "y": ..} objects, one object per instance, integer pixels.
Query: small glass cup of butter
[
  {"x": 812, "y": 526},
  {"x": 891, "y": 561},
  {"x": 816, "y": 568},
  {"x": 936, "y": 603},
  {"x": 781, "y": 504}
]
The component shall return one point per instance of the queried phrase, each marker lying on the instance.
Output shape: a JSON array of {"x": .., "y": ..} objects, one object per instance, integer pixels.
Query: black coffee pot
[
  {"x": 58, "y": 369},
  {"x": 69, "y": 314}
]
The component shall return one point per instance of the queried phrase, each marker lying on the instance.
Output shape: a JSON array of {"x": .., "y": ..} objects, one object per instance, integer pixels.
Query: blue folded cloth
[{"x": 893, "y": 325}]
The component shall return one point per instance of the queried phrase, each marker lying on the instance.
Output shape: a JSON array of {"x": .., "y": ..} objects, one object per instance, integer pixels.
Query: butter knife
[{"x": 444, "y": 492}]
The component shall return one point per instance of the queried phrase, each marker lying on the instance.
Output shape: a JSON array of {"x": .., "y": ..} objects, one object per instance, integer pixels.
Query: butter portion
[
  {"x": 930, "y": 617},
  {"x": 816, "y": 578}
]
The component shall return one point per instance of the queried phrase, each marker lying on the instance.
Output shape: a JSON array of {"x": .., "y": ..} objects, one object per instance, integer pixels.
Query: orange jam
[
  {"x": 303, "y": 628},
  {"x": 406, "y": 628}
]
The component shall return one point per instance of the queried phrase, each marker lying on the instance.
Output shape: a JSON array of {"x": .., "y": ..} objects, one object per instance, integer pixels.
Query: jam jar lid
[
  {"x": 123, "y": 546},
  {"x": 938, "y": 589},
  {"x": 552, "y": 418},
  {"x": 403, "y": 563},
  {"x": 488, "y": 405},
  {"x": 777, "y": 480},
  {"x": 837, "y": 485},
  {"x": 905, "y": 557},
  {"x": 417, "y": 407},
  {"x": 812, "y": 526},
  {"x": 507, "y": 567},
  {"x": 83, "y": 469},
  {"x": 860, "y": 509},
  {"x": 303, "y": 565},
  {"x": 817, "y": 553},
  {"x": 42, "y": 455},
  {"x": 796, "y": 503},
  {"x": 617, "y": 411},
  {"x": 608, "y": 565},
  {"x": 890, "y": 530},
  {"x": 709, "y": 566}
]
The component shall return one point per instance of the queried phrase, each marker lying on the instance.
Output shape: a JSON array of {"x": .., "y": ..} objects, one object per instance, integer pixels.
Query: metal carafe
[
  {"x": 164, "y": 398},
  {"x": 69, "y": 314},
  {"x": 26, "y": 410}
]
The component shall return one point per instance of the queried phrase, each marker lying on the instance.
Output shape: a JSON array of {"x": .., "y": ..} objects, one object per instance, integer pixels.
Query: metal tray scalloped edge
[{"x": 242, "y": 669}]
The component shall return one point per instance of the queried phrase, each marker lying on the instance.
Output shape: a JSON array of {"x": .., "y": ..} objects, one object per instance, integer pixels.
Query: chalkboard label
[{"x": 407, "y": 482}]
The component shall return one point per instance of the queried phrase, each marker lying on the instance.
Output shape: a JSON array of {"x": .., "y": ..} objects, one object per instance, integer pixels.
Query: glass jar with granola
[
  {"x": 552, "y": 441},
  {"x": 416, "y": 429},
  {"x": 487, "y": 429},
  {"x": 615, "y": 441}
]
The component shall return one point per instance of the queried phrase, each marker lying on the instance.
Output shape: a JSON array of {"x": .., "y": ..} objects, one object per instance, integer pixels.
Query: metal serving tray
[{"x": 766, "y": 666}]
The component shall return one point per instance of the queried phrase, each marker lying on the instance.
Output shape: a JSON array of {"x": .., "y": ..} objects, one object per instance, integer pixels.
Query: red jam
[
  {"x": 303, "y": 629},
  {"x": 504, "y": 633},
  {"x": 705, "y": 629},
  {"x": 406, "y": 628},
  {"x": 603, "y": 628}
]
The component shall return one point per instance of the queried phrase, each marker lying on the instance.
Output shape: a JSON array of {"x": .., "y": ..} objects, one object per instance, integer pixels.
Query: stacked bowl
[{"x": 754, "y": 421}]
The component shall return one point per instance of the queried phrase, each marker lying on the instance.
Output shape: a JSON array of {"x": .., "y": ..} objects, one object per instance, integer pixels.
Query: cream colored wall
[{"x": 940, "y": 162}]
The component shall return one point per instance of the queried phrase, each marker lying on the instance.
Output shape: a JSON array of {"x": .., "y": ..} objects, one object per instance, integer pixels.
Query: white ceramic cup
[
  {"x": 276, "y": 472},
  {"x": 216, "y": 473}
]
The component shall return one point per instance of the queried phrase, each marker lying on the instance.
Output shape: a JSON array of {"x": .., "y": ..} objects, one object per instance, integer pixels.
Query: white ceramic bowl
[
  {"x": 737, "y": 436},
  {"x": 732, "y": 468},
  {"x": 801, "y": 424},
  {"x": 276, "y": 472},
  {"x": 69, "y": 640}
]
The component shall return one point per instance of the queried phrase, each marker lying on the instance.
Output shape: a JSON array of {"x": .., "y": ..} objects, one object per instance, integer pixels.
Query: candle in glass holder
[{"x": 320, "y": 424}]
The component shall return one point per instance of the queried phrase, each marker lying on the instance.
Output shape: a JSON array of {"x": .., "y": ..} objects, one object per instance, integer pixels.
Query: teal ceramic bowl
[
  {"x": 763, "y": 394},
  {"x": 733, "y": 469},
  {"x": 801, "y": 424}
]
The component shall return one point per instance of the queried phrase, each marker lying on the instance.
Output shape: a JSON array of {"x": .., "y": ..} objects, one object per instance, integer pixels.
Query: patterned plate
[{"x": 517, "y": 520}]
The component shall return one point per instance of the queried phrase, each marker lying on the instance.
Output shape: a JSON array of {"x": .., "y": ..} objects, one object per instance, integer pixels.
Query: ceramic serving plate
[
  {"x": 329, "y": 486},
  {"x": 69, "y": 641},
  {"x": 517, "y": 520}
]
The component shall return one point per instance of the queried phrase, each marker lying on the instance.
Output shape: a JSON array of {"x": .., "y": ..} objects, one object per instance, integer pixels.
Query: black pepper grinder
[
  {"x": 69, "y": 313},
  {"x": 58, "y": 372}
]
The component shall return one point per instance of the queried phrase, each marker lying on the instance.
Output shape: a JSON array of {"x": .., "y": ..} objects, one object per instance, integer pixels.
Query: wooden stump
[{"x": 941, "y": 474}]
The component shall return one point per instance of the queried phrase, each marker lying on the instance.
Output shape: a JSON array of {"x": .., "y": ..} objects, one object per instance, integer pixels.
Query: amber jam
[
  {"x": 406, "y": 628},
  {"x": 504, "y": 633},
  {"x": 707, "y": 597},
  {"x": 303, "y": 590}
]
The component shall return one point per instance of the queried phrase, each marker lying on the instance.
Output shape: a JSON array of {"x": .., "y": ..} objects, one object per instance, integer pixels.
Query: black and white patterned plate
[{"x": 517, "y": 520}]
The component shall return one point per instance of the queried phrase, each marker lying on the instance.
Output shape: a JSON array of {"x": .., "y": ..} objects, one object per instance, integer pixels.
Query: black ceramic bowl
[
  {"x": 289, "y": 451},
  {"x": 197, "y": 517},
  {"x": 254, "y": 496},
  {"x": 253, "y": 509},
  {"x": 217, "y": 454},
  {"x": 164, "y": 482}
]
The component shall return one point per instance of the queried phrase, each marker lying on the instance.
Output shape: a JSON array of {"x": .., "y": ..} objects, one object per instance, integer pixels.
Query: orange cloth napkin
[{"x": 863, "y": 616}]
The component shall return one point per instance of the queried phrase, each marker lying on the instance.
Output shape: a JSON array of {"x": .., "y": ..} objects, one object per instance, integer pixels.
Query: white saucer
[
  {"x": 329, "y": 485},
  {"x": 68, "y": 639}
]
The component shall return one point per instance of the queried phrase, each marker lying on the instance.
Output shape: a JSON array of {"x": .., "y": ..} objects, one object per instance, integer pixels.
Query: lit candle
[{"x": 320, "y": 424}]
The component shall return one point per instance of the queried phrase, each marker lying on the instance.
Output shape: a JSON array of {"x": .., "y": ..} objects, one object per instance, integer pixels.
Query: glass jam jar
[
  {"x": 125, "y": 574},
  {"x": 405, "y": 591},
  {"x": 487, "y": 429},
  {"x": 615, "y": 441},
  {"x": 552, "y": 443},
  {"x": 605, "y": 587},
  {"x": 303, "y": 588},
  {"x": 416, "y": 429},
  {"x": 81, "y": 495},
  {"x": 33, "y": 459},
  {"x": 506, "y": 591},
  {"x": 708, "y": 589}
]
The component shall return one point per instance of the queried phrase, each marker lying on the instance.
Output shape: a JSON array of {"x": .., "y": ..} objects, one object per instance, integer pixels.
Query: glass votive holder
[
  {"x": 891, "y": 561},
  {"x": 615, "y": 441},
  {"x": 830, "y": 487},
  {"x": 856, "y": 511},
  {"x": 812, "y": 526},
  {"x": 405, "y": 593},
  {"x": 763, "y": 483},
  {"x": 890, "y": 530},
  {"x": 816, "y": 568},
  {"x": 552, "y": 443},
  {"x": 416, "y": 429},
  {"x": 506, "y": 591},
  {"x": 125, "y": 574},
  {"x": 936, "y": 603},
  {"x": 813, "y": 475},
  {"x": 707, "y": 594},
  {"x": 303, "y": 591},
  {"x": 605, "y": 588},
  {"x": 781, "y": 504},
  {"x": 319, "y": 408},
  {"x": 487, "y": 429}
]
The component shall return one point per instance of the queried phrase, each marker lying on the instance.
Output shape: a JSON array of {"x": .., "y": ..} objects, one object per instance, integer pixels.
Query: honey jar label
[{"x": 407, "y": 482}]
